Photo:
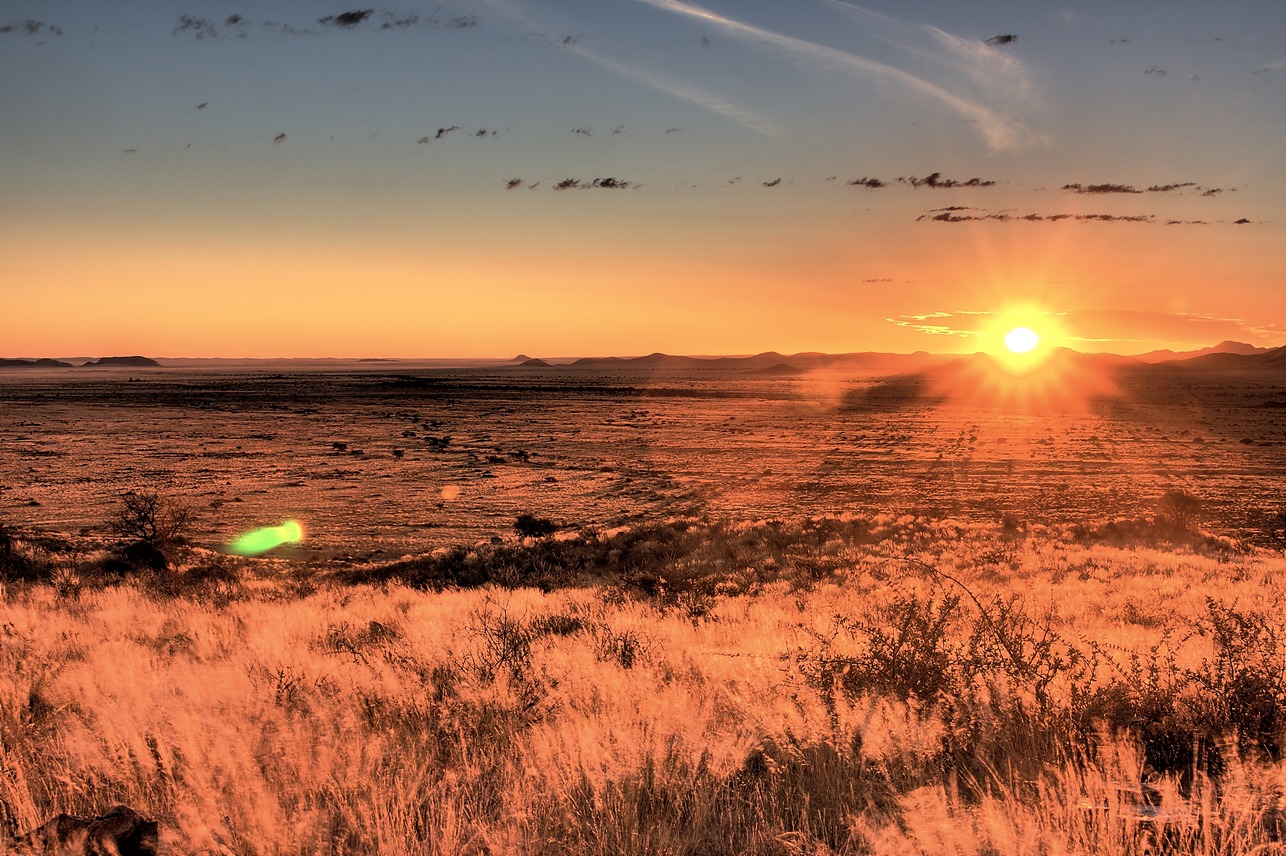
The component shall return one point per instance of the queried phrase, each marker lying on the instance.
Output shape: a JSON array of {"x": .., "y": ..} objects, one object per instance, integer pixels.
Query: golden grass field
[{"x": 790, "y": 690}]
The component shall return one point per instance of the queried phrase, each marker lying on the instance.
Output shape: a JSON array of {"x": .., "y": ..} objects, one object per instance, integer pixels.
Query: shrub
[
  {"x": 1179, "y": 510},
  {"x": 530, "y": 526},
  {"x": 1276, "y": 527},
  {"x": 17, "y": 560},
  {"x": 149, "y": 517}
]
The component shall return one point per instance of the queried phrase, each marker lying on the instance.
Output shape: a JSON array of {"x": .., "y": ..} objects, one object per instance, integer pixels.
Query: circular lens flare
[{"x": 1020, "y": 340}]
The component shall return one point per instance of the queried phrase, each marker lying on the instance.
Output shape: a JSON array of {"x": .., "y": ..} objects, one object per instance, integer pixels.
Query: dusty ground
[{"x": 362, "y": 453}]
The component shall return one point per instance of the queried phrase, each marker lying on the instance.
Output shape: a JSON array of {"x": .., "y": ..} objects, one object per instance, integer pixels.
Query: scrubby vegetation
[{"x": 839, "y": 685}]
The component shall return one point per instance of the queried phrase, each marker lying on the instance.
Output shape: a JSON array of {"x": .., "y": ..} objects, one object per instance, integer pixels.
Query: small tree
[
  {"x": 149, "y": 517},
  {"x": 1179, "y": 510}
]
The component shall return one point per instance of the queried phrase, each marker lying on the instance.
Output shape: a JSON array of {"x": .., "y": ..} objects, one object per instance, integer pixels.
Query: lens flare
[{"x": 269, "y": 537}]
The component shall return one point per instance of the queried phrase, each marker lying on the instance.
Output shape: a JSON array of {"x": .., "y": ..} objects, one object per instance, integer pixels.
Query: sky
[{"x": 293, "y": 178}]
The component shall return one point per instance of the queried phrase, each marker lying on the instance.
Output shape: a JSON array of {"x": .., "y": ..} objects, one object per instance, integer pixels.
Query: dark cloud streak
[
  {"x": 346, "y": 20},
  {"x": 937, "y": 182},
  {"x": 31, "y": 27}
]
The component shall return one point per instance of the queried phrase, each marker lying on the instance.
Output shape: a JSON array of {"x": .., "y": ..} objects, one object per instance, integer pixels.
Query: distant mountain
[
  {"x": 779, "y": 370},
  {"x": 869, "y": 361},
  {"x": 1263, "y": 359},
  {"x": 533, "y": 363},
  {"x": 1225, "y": 347},
  {"x": 128, "y": 362},
  {"x": 43, "y": 363}
]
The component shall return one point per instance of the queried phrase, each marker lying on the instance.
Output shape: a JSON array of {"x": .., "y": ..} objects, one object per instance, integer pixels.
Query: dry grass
[{"x": 771, "y": 690}]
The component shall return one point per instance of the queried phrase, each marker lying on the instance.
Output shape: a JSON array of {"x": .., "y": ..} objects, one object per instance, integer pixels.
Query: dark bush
[
  {"x": 530, "y": 526},
  {"x": 151, "y": 518},
  {"x": 1179, "y": 511},
  {"x": 18, "y": 563}
]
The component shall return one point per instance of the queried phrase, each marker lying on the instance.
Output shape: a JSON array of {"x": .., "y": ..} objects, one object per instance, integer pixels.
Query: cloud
[
  {"x": 198, "y": 28},
  {"x": 1101, "y": 188},
  {"x": 1157, "y": 70},
  {"x": 961, "y": 214},
  {"x": 932, "y": 323},
  {"x": 864, "y": 181},
  {"x": 1002, "y": 39},
  {"x": 393, "y": 22},
  {"x": 280, "y": 138},
  {"x": 1000, "y": 133},
  {"x": 656, "y": 80},
  {"x": 513, "y": 184},
  {"x": 346, "y": 20},
  {"x": 773, "y": 183},
  {"x": 238, "y": 25},
  {"x": 30, "y": 27},
  {"x": 681, "y": 90},
  {"x": 1129, "y": 188},
  {"x": 609, "y": 183},
  {"x": 935, "y": 180},
  {"x": 953, "y": 215}
]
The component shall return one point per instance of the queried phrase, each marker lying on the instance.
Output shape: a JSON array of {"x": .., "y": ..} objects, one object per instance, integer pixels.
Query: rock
[{"x": 120, "y": 832}]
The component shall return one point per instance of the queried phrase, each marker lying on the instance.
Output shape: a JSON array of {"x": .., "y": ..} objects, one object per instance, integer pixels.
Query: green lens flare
[{"x": 262, "y": 540}]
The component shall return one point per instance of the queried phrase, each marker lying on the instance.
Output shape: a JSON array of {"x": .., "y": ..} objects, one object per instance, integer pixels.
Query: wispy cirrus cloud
[
  {"x": 1001, "y": 133},
  {"x": 651, "y": 78},
  {"x": 680, "y": 89}
]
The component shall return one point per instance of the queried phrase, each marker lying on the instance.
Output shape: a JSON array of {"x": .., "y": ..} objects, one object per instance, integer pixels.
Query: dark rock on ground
[{"x": 120, "y": 832}]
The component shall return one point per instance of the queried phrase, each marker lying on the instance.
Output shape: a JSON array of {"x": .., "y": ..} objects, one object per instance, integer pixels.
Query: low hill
[
  {"x": 43, "y": 363},
  {"x": 124, "y": 362},
  {"x": 1224, "y": 347},
  {"x": 778, "y": 370},
  {"x": 867, "y": 361},
  {"x": 1263, "y": 360}
]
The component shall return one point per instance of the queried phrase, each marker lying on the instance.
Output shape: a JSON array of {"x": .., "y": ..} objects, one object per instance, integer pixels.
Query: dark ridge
[
  {"x": 778, "y": 370},
  {"x": 42, "y": 363},
  {"x": 1274, "y": 360},
  {"x": 1225, "y": 347},
  {"x": 132, "y": 362},
  {"x": 533, "y": 363}
]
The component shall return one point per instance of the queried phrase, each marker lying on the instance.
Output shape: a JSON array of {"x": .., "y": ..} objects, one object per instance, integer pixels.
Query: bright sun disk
[{"x": 1020, "y": 340}]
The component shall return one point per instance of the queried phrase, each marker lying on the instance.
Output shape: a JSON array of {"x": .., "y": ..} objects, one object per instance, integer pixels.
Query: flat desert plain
[{"x": 384, "y": 461}]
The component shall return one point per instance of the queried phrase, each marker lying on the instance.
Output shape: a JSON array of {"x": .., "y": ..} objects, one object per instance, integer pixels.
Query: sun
[{"x": 1021, "y": 340}]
